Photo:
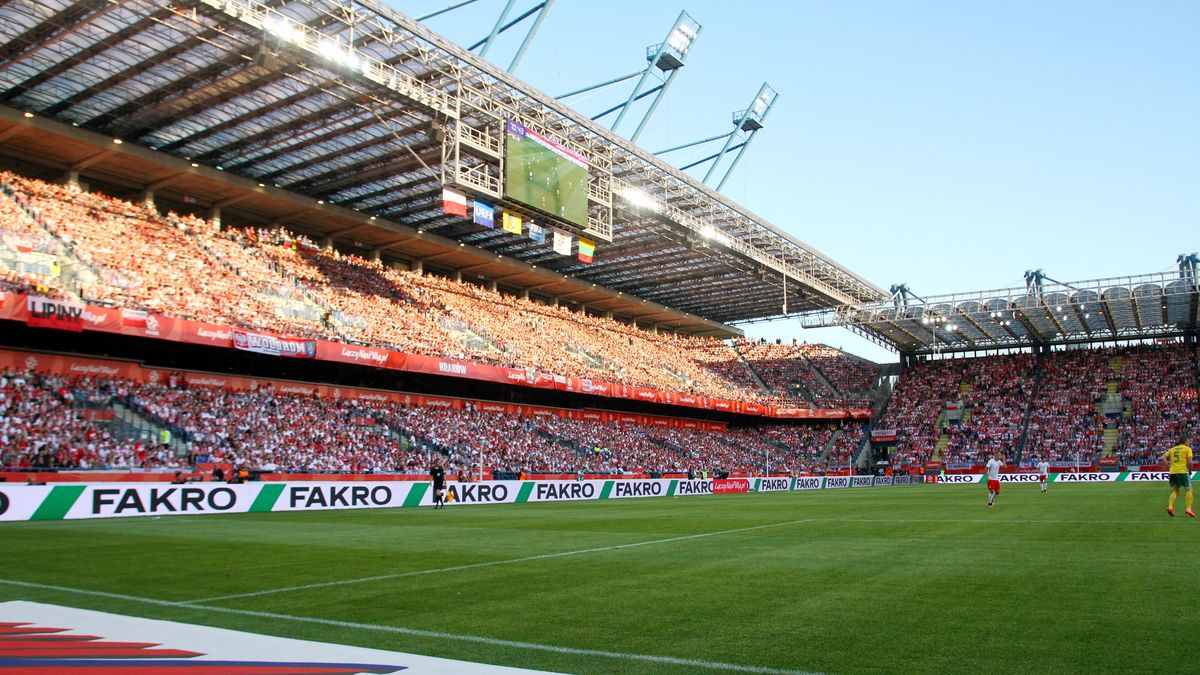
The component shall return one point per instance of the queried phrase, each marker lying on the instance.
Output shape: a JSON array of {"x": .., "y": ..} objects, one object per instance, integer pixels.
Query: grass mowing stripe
[
  {"x": 416, "y": 632},
  {"x": 491, "y": 563}
]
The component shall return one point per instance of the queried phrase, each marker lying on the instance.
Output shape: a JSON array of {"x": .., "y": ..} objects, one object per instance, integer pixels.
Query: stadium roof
[
  {"x": 364, "y": 109},
  {"x": 1046, "y": 313}
]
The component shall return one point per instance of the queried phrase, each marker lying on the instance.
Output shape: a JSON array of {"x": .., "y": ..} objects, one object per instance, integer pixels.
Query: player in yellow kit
[{"x": 1180, "y": 458}]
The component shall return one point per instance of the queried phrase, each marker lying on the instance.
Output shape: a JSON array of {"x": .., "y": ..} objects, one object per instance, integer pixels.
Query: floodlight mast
[
  {"x": 749, "y": 122},
  {"x": 541, "y": 9},
  {"x": 668, "y": 56},
  {"x": 746, "y": 123}
]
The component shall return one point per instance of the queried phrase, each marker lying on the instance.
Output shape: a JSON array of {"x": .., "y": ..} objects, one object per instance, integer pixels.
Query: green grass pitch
[{"x": 1086, "y": 578}]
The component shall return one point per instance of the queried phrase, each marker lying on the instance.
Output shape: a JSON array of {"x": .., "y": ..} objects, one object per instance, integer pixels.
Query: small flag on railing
[
  {"x": 454, "y": 203},
  {"x": 485, "y": 214},
  {"x": 537, "y": 232},
  {"x": 587, "y": 249},
  {"x": 512, "y": 223},
  {"x": 562, "y": 243}
]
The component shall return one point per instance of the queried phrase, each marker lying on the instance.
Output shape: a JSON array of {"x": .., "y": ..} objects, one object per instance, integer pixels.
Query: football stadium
[{"x": 330, "y": 344}]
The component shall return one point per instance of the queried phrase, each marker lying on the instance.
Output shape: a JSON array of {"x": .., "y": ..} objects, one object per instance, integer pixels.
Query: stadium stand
[
  {"x": 1064, "y": 424},
  {"x": 132, "y": 257},
  {"x": 1158, "y": 388},
  {"x": 51, "y": 422},
  {"x": 61, "y": 241},
  {"x": 812, "y": 374}
]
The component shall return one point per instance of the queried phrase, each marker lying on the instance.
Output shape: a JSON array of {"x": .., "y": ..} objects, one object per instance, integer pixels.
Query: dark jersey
[{"x": 438, "y": 474}]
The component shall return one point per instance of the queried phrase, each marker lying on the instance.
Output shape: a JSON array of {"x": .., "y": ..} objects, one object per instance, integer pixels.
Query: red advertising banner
[
  {"x": 51, "y": 313},
  {"x": 363, "y": 356},
  {"x": 44, "y": 312},
  {"x": 810, "y": 413},
  {"x": 729, "y": 486}
]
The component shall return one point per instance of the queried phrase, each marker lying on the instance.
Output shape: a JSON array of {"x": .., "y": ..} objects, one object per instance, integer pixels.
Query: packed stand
[
  {"x": 853, "y": 378},
  {"x": 847, "y": 443},
  {"x": 1064, "y": 424},
  {"x": 129, "y": 256},
  {"x": 54, "y": 422},
  {"x": 918, "y": 399},
  {"x": 1159, "y": 386},
  {"x": 999, "y": 391}
]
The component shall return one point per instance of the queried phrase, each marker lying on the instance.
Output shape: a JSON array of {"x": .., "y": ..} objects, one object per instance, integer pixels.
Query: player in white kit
[
  {"x": 993, "y": 478},
  {"x": 1043, "y": 468}
]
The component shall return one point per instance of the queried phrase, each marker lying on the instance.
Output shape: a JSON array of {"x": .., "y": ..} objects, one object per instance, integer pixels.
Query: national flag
[
  {"x": 537, "y": 232},
  {"x": 587, "y": 249},
  {"x": 485, "y": 214},
  {"x": 454, "y": 203},
  {"x": 562, "y": 243},
  {"x": 135, "y": 318},
  {"x": 512, "y": 223}
]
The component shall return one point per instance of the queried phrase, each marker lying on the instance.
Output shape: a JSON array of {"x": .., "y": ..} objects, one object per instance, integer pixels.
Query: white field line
[
  {"x": 439, "y": 635},
  {"x": 491, "y": 563}
]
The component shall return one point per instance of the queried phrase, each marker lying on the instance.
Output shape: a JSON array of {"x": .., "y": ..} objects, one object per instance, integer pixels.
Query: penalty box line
[
  {"x": 490, "y": 563},
  {"x": 417, "y": 632}
]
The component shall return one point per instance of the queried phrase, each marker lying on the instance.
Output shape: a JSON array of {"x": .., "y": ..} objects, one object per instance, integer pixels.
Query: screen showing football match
[{"x": 542, "y": 174}]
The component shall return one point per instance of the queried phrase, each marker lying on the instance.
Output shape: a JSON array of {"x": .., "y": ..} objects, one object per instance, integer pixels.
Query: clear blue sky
[{"x": 948, "y": 145}]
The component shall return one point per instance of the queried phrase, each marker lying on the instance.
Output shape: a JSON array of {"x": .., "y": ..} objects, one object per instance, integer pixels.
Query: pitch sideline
[{"x": 416, "y": 632}]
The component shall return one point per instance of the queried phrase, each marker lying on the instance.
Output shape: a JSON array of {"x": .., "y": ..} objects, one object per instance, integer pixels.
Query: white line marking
[
  {"x": 1008, "y": 522},
  {"x": 416, "y": 632},
  {"x": 490, "y": 563}
]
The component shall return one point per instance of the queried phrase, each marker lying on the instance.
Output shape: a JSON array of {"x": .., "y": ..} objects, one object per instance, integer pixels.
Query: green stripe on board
[
  {"x": 607, "y": 489},
  {"x": 1124, "y": 475},
  {"x": 415, "y": 494},
  {"x": 757, "y": 481},
  {"x": 58, "y": 502},
  {"x": 671, "y": 487},
  {"x": 523, "y": 495},
  {"x": 265, "y": 501}
]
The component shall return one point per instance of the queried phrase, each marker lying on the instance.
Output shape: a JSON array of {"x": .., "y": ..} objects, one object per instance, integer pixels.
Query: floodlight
[
  {"x": 29, "y": 114},
  {"x": 638, "y": 199},
  {"x": 710, "y": 232},
  {"x": 681, "y": 38},
  {"x": 281, "y": 28}
]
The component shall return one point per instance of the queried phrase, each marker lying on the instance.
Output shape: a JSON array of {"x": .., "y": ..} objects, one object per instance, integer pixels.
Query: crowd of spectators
[
  {"x": 852, "y": 377},
  {"x": 847, "y": 443},
  {"x": 42, "y": 425},
  {"x": 919, "y": 397},
  {"x": 130, "y": 256},
  {"x": 997, "y": 392},
  {"x": 805, "y": 374},
  {"x": 1158, "y": 385},
  {"x": 1064, "y": 424},
  {"x": 49, "y": 422}
]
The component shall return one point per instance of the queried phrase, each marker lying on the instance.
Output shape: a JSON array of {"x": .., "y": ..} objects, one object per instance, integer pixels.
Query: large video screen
[{"x": 542, "y": 174}]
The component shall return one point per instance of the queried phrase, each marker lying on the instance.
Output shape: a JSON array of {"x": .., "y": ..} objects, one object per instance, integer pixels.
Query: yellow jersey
[{"x": 1180, "y": 458}]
